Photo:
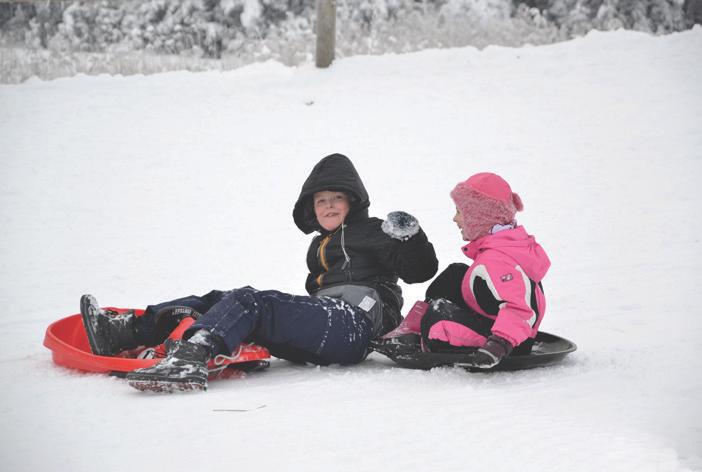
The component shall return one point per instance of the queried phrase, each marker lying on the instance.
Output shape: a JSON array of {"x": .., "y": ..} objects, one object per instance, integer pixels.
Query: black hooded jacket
[{"x": 374, "y": 258}]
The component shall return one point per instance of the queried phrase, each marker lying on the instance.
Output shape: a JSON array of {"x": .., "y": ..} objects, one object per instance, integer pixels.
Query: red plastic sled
[{"x": 69, "y": 347}]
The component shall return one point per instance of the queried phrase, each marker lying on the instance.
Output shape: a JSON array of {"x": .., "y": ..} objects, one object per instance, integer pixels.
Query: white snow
[{"x": 141, "y": 189}]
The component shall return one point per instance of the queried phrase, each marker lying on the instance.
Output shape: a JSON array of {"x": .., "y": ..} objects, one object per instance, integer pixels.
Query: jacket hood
[
  {"x": 336, "y": 173},
  {"x": 518, "y": 245}
]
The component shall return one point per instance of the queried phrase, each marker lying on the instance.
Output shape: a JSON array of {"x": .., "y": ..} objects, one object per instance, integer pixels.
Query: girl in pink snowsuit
[{"x": 497, "y": 303}]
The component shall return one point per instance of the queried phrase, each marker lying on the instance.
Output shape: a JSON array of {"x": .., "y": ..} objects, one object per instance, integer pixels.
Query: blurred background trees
[{"x": 237, "y": 32}]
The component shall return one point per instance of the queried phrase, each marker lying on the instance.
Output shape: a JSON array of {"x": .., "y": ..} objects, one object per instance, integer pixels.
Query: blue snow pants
[{"x": 320, "y": 330}]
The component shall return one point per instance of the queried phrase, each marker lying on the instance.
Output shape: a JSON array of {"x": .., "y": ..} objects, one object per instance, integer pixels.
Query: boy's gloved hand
[
  {"x": 400, "y": 225},
  {"x": 492, "y": 352}
]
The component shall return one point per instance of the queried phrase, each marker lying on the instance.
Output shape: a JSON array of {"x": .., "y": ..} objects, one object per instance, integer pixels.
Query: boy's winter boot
[
  {"x": 184, "y": 368},
  {"x": 108, "y": 332}
]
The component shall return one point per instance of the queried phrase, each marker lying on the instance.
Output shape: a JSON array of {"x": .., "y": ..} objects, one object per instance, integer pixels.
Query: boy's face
[{"x": 330, "y": 208}]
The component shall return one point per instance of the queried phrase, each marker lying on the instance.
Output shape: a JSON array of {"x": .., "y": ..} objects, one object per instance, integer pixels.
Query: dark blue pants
[{"x": 293, "y": 327}]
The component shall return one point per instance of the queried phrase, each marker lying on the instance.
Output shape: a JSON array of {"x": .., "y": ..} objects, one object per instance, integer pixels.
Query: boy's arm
[{"x": 406, "y": 248}]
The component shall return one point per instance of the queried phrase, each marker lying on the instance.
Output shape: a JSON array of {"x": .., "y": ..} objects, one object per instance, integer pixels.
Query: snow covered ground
[{"x": 141, "y": 189}]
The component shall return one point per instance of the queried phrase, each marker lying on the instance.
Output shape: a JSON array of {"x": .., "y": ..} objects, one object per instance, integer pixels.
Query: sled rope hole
[{"x": 149, "y": 353}]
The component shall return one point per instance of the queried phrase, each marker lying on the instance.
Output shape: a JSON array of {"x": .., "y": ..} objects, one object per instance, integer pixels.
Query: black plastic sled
[{"x": 406, "y": 351}]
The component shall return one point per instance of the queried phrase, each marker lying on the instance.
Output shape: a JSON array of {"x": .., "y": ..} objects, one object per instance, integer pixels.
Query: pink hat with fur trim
[{"x": 484, "y": 200}]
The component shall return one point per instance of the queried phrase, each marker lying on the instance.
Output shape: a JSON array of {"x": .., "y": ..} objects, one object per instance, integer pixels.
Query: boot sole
[
  {"x": 89, "y": 329},
  {"x": 159, "y": 386}
]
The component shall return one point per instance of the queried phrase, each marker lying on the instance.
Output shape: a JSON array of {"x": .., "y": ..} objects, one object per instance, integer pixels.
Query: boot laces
[{"x": 221, "y": 359}]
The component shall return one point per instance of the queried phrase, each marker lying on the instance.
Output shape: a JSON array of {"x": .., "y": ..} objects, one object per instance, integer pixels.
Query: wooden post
[{"x": 326, "y": 32}]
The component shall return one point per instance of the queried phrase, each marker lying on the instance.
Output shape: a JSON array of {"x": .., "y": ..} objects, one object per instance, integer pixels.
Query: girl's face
[
  {"x": 330, "y": 208},
  {"x": 458, "y": 219}
]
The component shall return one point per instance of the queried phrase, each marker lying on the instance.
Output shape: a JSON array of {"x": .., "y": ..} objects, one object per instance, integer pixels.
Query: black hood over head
[{"x": 336, "y": 173}]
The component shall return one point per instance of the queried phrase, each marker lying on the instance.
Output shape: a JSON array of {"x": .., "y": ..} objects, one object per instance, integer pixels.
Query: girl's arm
[{"x": 512, "y": 289}]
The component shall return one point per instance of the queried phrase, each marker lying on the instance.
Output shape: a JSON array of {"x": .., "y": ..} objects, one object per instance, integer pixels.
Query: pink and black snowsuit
[{"x": 502, "y": 291}]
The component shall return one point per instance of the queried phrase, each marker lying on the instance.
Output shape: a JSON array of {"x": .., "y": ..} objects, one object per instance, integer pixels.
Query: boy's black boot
[
  {"x": 184, "y": 368},
  {"x": 108, "y": 332}
]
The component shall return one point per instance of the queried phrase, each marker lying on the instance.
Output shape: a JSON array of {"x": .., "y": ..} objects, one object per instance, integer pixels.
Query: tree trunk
[{"x": 326, "y": 32}]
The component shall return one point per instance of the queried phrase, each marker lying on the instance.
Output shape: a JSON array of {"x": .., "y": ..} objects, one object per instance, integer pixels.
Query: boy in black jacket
[{"x": 354, "y": 266}]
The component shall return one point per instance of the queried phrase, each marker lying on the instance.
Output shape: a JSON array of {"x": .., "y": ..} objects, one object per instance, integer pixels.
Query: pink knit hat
[{"x": 484, "y": 200}]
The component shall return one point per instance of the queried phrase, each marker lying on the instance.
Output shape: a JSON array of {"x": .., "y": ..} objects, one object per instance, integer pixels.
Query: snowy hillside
[{"x": 141, "y": 189}]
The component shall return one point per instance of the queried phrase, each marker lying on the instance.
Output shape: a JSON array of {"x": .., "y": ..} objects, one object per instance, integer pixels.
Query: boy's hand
[{"x": 400, "y": 225}]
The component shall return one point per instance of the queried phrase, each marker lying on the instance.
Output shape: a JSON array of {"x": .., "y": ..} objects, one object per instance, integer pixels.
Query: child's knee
[
  {"x": 445, "y": 322},
  {"x": 455, "y": 334}
]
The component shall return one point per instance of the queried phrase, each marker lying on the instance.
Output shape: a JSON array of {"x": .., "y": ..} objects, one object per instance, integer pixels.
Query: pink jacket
[{"x": 504, "y": 282}]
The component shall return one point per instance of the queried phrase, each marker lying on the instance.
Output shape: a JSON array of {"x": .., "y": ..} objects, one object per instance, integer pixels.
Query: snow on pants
[{"x": 320, "y": 330}]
